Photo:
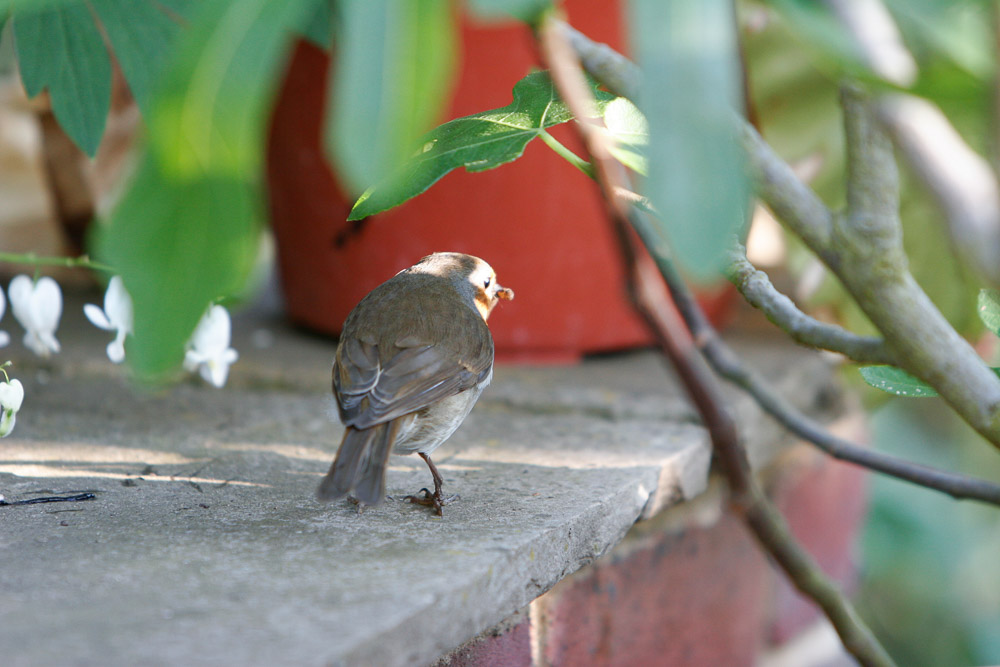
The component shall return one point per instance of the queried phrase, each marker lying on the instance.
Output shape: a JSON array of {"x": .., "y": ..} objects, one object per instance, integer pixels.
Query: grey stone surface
[{"x": 205, "y": 546}]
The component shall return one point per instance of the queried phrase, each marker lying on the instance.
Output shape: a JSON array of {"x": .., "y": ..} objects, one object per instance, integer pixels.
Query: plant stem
[
  {"x": 652, "y": 303},
  {"x": 728, "y": 365},
  {"x": 866, "y": 252},
  {"x": 862, "y": 247},
  {"x": 798, "y": 198},
  {"x": 567, "y": 154},
  {"x": 757, "y": 289},
  {"x": 83, "y": 261}
]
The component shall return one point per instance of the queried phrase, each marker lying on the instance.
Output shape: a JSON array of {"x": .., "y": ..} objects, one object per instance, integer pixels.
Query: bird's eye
[{"x": 486, "y": 283}]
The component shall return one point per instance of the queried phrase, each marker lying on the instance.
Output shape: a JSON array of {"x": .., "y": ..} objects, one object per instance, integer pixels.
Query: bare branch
[
  {"x": 791, "y": 200},
  {"x": 872, "y": 184},
  {"x": 959, "y": 487},
  {"x": 727, "y": 364},
  {"x": 913, "y": 328},
  {"x": 616, "y": 72},
  {"x": 757, "y": 289},
  {"x": 652, "y": 304},
  {"x": 867, "y": 255},
  {"x": 961, "y": 181}
]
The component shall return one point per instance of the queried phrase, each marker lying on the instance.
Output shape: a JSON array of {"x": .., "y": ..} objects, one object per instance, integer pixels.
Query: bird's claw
[
  {"x": 357, "y": 503},
  {"x": 434, "y": 500}
]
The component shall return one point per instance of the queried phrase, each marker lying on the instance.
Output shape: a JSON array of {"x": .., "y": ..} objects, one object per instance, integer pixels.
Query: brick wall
[{"x": 690, "y": 586}]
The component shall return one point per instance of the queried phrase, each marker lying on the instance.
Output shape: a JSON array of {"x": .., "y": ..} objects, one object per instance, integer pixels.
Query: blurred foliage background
[
  {"x": 930, "y": 566},
  {"x": 930, "y": 586}
]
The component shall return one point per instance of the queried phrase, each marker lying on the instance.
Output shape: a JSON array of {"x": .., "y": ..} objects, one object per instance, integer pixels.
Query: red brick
[
  {"x": 696, "y": 597},
  {"x": 677, "y": 594},
  {"x": 510, "y": 648},
  {"x": 824, "y": 502}
]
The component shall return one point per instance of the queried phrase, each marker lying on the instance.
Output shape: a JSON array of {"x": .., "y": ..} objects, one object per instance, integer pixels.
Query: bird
[{"x": 413, "y": 357}]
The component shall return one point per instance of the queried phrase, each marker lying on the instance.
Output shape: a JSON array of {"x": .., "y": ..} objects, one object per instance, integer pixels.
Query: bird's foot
[
  {"x": 435, "y": 500},
  {"x": 357, "y": 503}
]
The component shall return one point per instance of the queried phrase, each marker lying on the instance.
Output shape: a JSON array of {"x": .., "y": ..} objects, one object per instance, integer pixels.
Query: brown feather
[{"x": 412, "y": 359}]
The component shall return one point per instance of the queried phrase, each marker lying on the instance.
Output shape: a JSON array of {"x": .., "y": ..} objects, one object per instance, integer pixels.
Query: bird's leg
[
  {"x": 357, "y": 503},
  {"x": 435, "y": 499}
]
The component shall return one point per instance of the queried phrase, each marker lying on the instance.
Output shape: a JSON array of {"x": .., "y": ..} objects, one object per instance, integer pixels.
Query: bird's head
[{"x": 473, "y": 278}]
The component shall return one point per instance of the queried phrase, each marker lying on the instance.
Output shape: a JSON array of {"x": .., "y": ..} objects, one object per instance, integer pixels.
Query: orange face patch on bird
[
  {"x": 412, "y": 360},
  {"x": 488, "y": 291}
]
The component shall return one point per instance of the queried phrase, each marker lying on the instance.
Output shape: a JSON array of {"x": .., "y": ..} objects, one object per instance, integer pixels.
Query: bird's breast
[{"x": 435, "y": 423}]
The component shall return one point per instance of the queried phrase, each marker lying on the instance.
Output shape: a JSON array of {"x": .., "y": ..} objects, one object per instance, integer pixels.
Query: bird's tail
[{"x": 359, "y": 468}]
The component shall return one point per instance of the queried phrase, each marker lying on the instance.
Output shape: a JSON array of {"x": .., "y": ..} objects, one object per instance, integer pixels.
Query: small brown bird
[{"x": 412, "y": 360}]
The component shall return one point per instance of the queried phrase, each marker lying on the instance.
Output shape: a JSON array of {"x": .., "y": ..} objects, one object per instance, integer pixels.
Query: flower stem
[
  {"x": 567, "y": 154},
  {"x": 83, "y": 261}
]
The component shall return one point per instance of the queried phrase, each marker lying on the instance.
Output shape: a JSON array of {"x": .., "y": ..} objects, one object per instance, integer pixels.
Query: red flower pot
[{"x": 538, "y": 222}]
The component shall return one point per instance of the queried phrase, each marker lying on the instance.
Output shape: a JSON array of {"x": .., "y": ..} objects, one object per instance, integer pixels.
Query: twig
[
  {"x": 757, "y": 289},
  {"x": 959, "y": 487},
  {"x": 866, "y": 253},
  {"x": 961, "y": 181},
  {"x": 776, "y": 183},
  {"x": 746, "y": 496},
  {"x": 727, "y": 364},
  {"x": 83, "y": 261},
  {"x": 48, "y": 499},
  {"x": 615, "y": 72},
  {"x": 863, "y": 250}
]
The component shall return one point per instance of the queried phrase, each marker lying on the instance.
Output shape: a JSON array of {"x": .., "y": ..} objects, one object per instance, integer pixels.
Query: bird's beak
[{"x": 505, "y": 293}]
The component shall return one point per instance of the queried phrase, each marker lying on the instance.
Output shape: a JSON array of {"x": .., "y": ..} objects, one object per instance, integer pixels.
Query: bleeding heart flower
[
  {"x": 38, "y": 307},
  {"x": 116, "y": 316},
  {"x": 4, "y": 336},
  {"x": 209, "y": 351},
  {"x": 11, "y": 396}
]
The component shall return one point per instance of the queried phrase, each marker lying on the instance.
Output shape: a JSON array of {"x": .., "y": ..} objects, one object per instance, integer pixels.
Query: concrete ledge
[
  {"x": 205, "y": 545},
  {"x": 690, "y": 587}
]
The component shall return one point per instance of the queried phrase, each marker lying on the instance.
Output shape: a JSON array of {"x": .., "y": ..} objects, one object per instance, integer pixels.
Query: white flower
[
  {"x": 11, "y": 396},
  {"x": 116, "y": 316},
  {"x": 4, "y": 336},
  {"x": 209, "y": 351},
  {"x": 37, "y": 306}
]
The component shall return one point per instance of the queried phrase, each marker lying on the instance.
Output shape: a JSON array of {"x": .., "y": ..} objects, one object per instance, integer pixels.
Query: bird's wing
[{"x": 415, "y": 375}]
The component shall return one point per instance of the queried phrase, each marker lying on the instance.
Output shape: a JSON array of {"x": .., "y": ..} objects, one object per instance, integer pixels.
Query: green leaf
[
  {"x": 60, "y": 49},
  {"x": 24, "y": 6},
  {"x": 210, "y": 115},
  {"x": 896, "y": 381},
  {"x": 958, "y": 31},
  {"x": 187, "y": 230},
  {"x": 824, "y": 36},
  {"x": 178, "y": 245},
  {"x": 989, "y": 309},
  {"x": 478, "y": 142},
  {"x": 182, "y": 8},
  {"x": 393, "y": 68},
  {"x": 629, "y": 128},
  {"x": 687, "y": 52},
  {"x": 141, "y": 34},
  {"x": 319, "y": 29},
  {"x": 523, "y": 10}
]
